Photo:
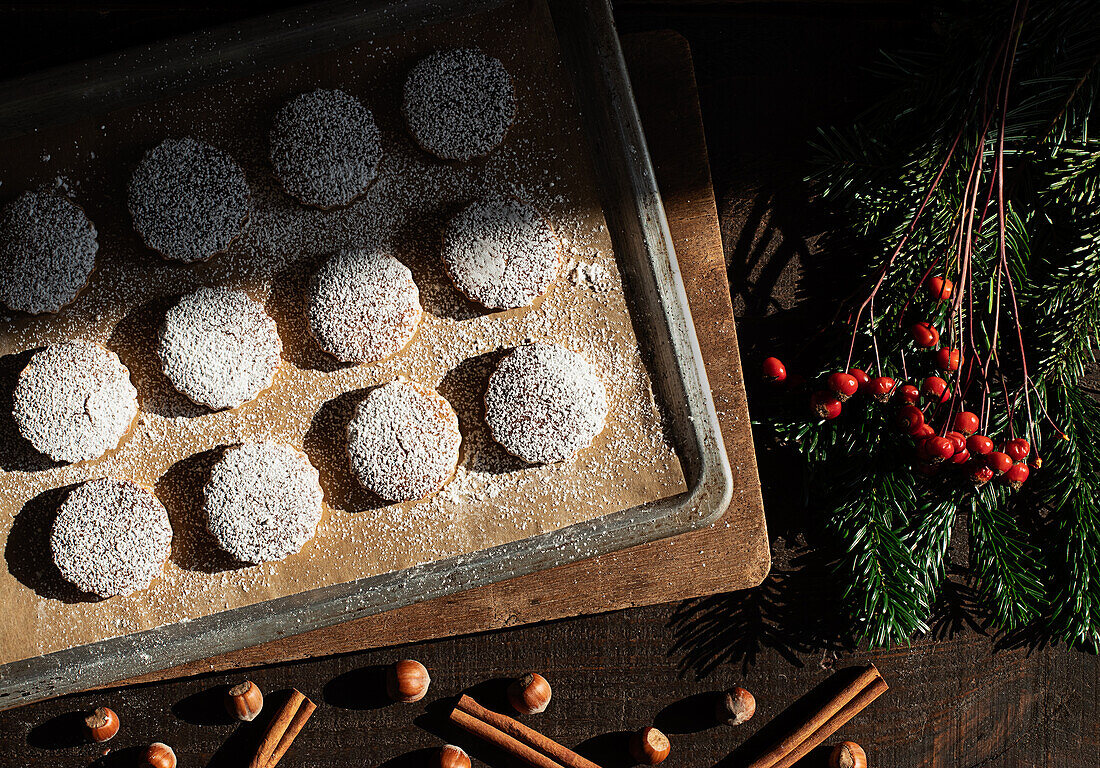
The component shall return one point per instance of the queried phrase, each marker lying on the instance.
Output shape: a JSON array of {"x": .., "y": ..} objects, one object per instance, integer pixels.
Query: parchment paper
[{"x": 494, "y": 498}]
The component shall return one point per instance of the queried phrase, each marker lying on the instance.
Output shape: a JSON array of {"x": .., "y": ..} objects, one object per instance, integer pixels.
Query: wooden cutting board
[{"x": 730, "y": 555}]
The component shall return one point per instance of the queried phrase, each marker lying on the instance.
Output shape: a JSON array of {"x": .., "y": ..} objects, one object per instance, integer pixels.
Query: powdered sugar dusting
[
  {"x": 74, "y": 401},
  {"x": 403, "y": 441},
  {"x": 545, "y": 403},
  {"x": 263, "y": 501},
  {"x": 219, "y": 347},
  {"x": 501, "y": 253},
  {"x": 189, "y": 200},
  {"x": 47, "y": 252},
  {"x": 459, "y": 103},
  {"x": 111, "y": 537},
  {"x": 363, "y": 306},
  {"x": 325, "y": 148}
]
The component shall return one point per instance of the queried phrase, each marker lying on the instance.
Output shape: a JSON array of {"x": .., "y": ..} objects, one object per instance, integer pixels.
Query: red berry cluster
[{"x": 957, "y": 442}]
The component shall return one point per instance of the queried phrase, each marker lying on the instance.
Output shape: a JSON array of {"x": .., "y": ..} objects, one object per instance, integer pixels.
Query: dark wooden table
[{"x": 769, "y": 72}]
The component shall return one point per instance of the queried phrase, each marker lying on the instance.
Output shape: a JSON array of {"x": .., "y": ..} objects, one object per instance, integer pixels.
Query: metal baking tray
[{"x": 643, "y": 248}]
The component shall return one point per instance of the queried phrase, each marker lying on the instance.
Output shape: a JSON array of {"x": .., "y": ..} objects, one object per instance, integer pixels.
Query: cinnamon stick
[
  {"x": 834, "y": 723},
  {"x": 523, "y": 733},
  {"x": 305, "y": 709},
  {"x": 777, "y": 754},
  {"x": 277, "y": 729},
  {"x": 502, "y": 740}
]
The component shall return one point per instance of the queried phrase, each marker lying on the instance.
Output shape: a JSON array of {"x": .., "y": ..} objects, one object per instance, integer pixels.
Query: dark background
[{"x": 769, "y": 73}]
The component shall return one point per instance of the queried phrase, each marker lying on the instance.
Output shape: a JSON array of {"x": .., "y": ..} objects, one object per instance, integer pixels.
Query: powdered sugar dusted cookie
[
  {"x": 219, "y": 347},
  {"x": 363, "y": 306},
  {"x": 403, "y": 441},
  {"x": 111, "y": 537},
  {"x": 501, "y": 253},
  {"x": 47, "y": 252},
  {"x": 263, "y": 501},
  {"x": 545, "y": 403},
  {"x": 189, "y": 200},
  {"x": 459, "y": 103},
  {"x": 74, "y": 401},
  {"x": 325, "y": 147}
]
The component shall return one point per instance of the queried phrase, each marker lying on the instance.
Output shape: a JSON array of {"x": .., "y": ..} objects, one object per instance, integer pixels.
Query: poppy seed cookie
[
  {"x": 219, "y": 347},
  {"x": 47, "y": 252},
  {"x": 545, "y": 403},
  {"x": 74, "y": 401},
  {"x": 189, "y": 200},
  {"x": 263, "y": 501},
  {"x": 459, "y": 104},
  {"x": 325, "y": 148},
  {"x": 111, "y": 537},
  {"x": 363, "y": 306},
  {"x": 403, "y": 441}
]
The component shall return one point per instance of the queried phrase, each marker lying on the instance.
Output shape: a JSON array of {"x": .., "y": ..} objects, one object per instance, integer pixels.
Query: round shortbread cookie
[
  {"x": 363, "y": 306},
  {"x": 189, "y": 200},
  {"x": 403, "y": 441},
  {"x": 47, "y": 252},
  {"x": 545, "y": 403},
  {"x": 501, "y": 253},
  {"x": 74, "y": 401},
  {"x": 219, "y": 347},
  {"x": 325, "y": 148},
  {"x": 111, "y": 537},
  {"x": 459, "y": 104},
  {"x": 263, "y": 501}
]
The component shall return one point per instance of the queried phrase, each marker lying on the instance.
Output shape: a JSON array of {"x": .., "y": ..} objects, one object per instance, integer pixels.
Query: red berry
[
  {"x": 908, "y": 393},
  {"x": 939, "y": 448},
  {"x": 1018, "y": 449},
  {"x": 861, "y": 377},
  {"x": 979, "y": 445},
  {"x": 948, "y": 359},
  {"x": 981, "y": 474},
  {"x": 935, "y": 388},
  {"x": 925, "y": 335},
  {"x": 1016, "y": 475},
  {"x": 999, "y": 462},
  {"x": 774, "y": 370},
  {"x": 961, "y": 457},
  {"x": 825, "y": 405},
  {"x": 843, "y": 385},
  {"x": 909, "y": 416},
  {"x": 920, "y": 432},
  {"x": 939, "y": 288},
  {"x": 881, "y": 388},
  {"x": 957, "y": 440},
  {"x": 966, "y": 422}
]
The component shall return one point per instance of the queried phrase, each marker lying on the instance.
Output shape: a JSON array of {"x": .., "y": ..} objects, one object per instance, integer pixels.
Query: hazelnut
[
  {"x": 736, "y": 706},
  {"x": 529, "y": 694},
  {"x": 102, "y": 724},
  {"x": 649, "y": 746},
  {"x": 244, "y": 701},
  {"x": 450, "y": 756},
  {"x": 848, "y": 754},
  {"x": 158, "y": 755},
  {"x": 407, "y": 681}
]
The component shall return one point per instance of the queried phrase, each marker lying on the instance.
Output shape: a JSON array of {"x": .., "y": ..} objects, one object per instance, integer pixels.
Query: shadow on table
[{"x": 794, "y": 612}]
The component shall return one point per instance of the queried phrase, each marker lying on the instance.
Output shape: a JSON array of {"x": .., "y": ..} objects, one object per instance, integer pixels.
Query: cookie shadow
[
  {"x": 180, "y": 489},
  {"x": 287, "y": 304},
  {"x": 464, "y": 388},
  {"x": 418, "y": 243},
  {"x": 325, "y": 443},
  {"x": 16, "y": 452},
  {"x": 27, "y": 550},
  {"x": 134, "y": 341}
]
